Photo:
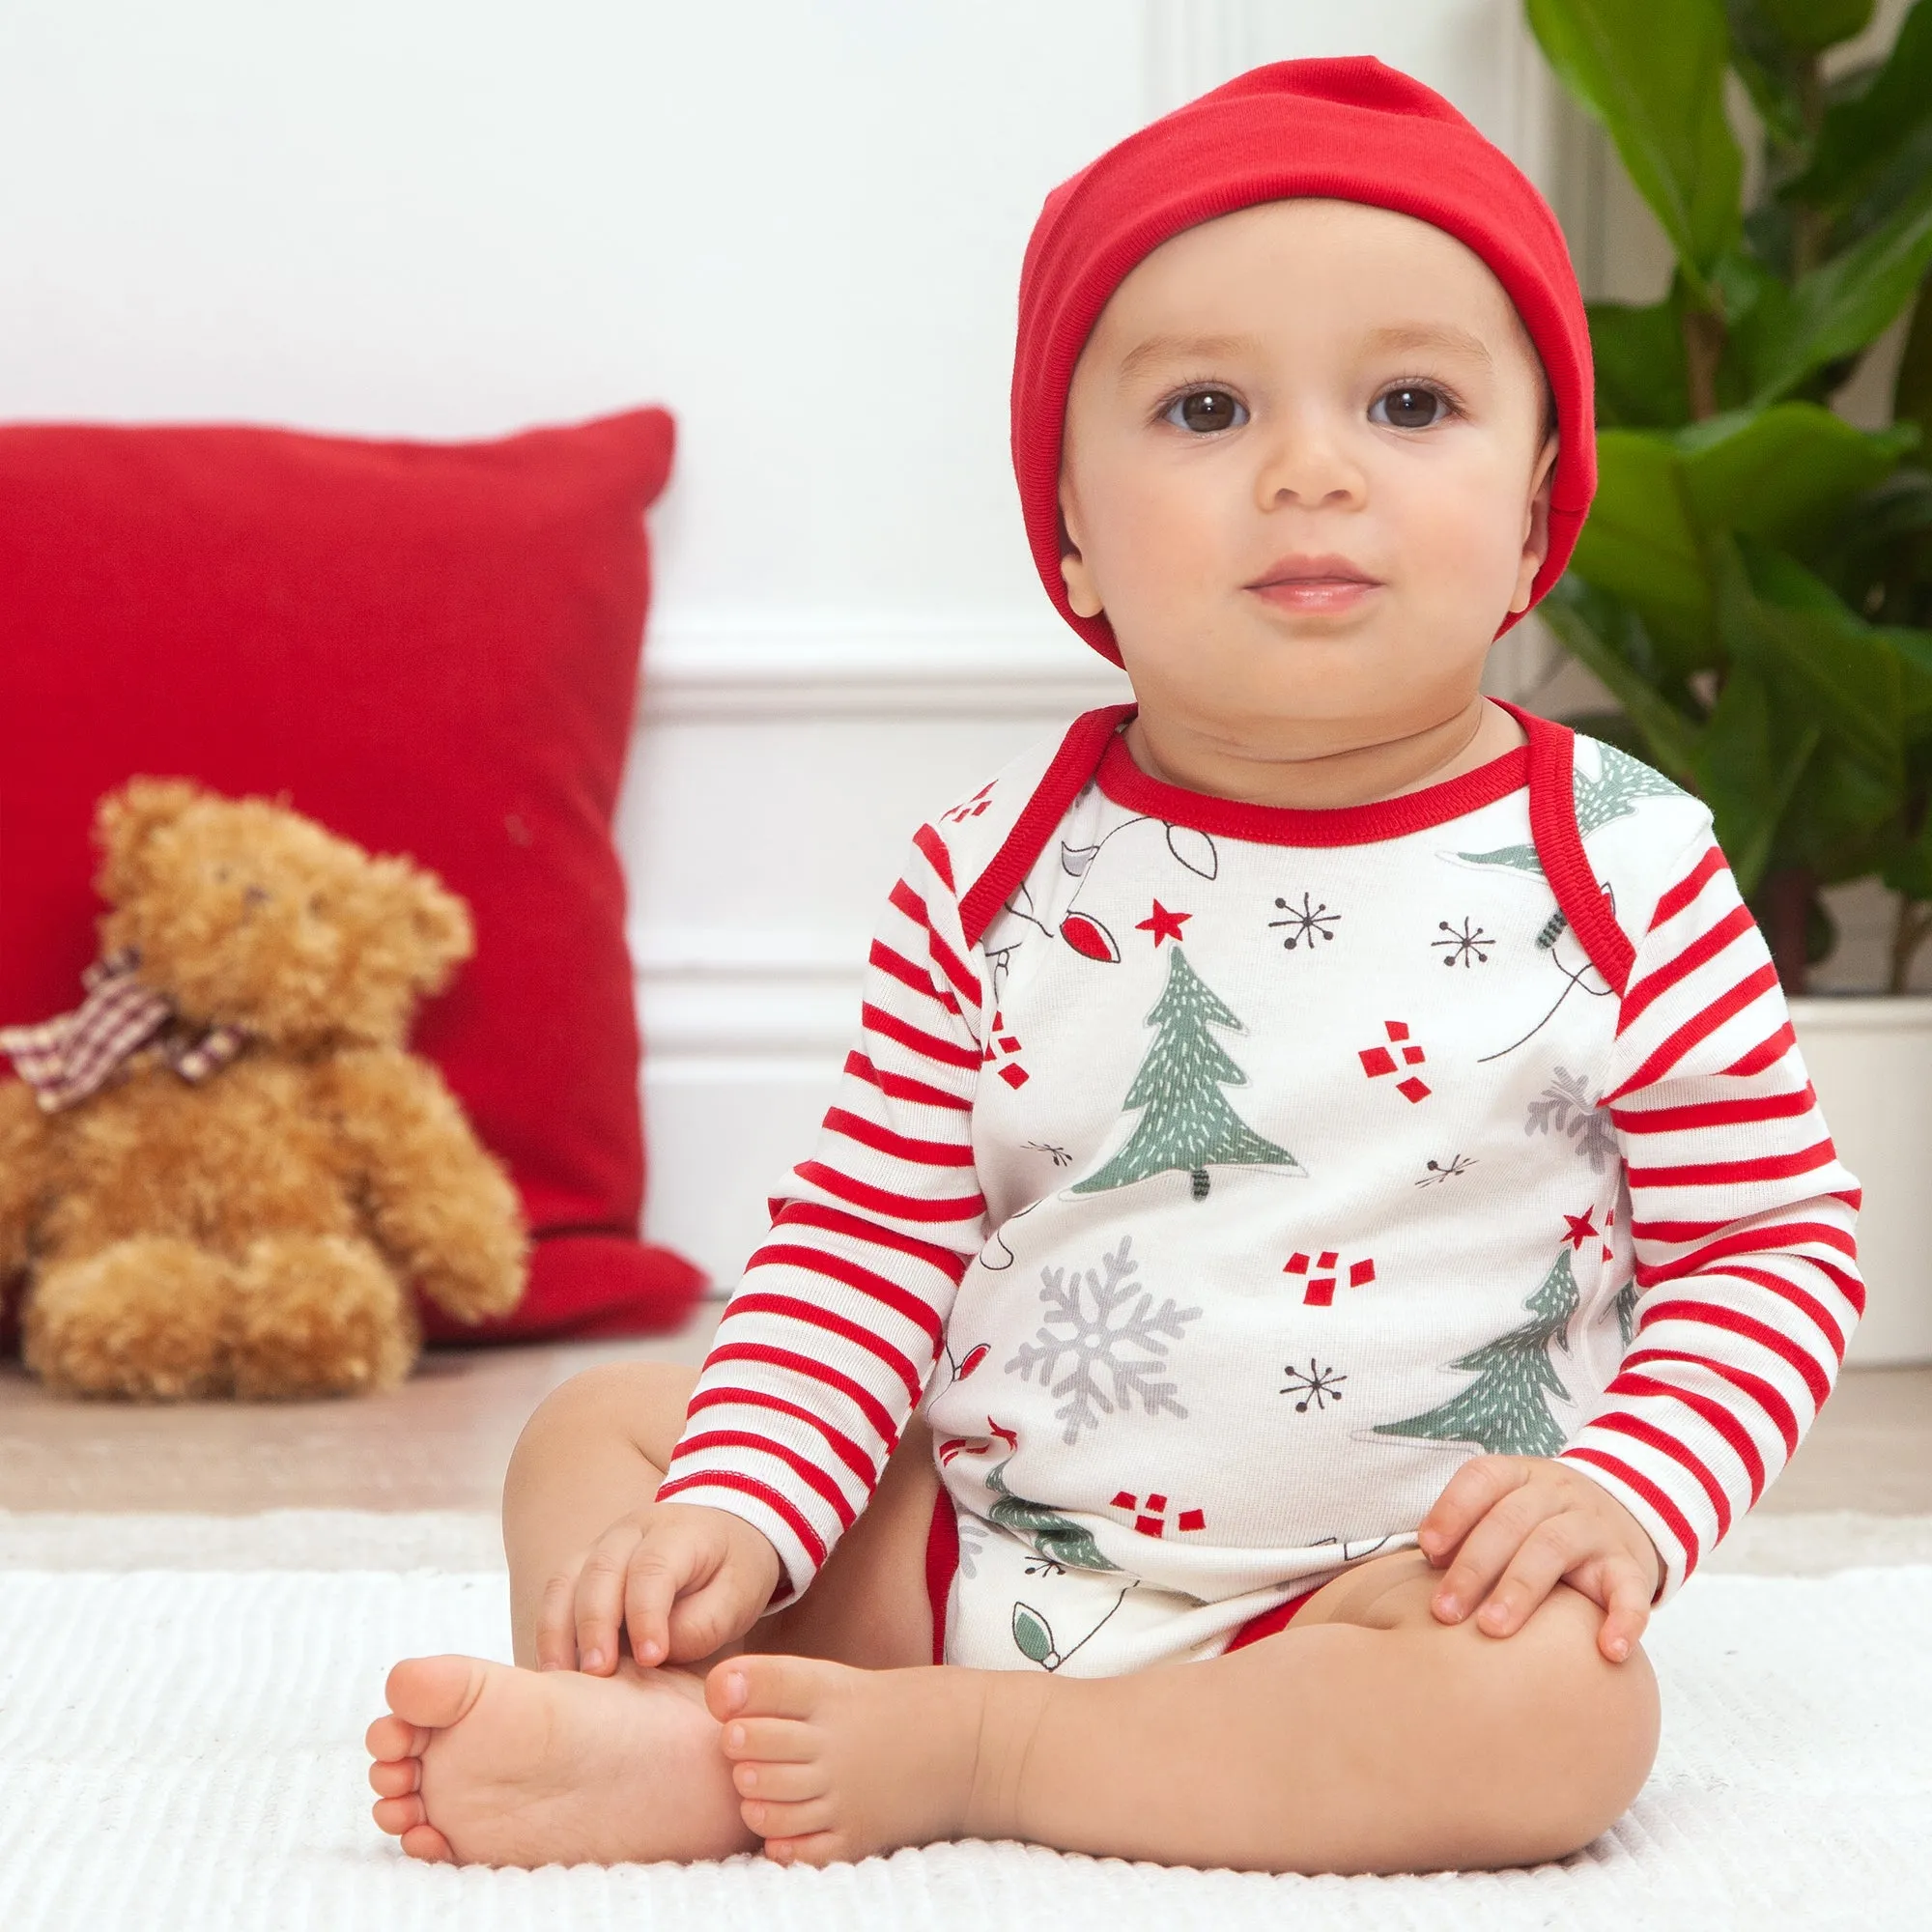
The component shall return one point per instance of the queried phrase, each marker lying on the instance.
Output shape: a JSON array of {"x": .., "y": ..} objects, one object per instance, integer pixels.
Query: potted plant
[{"x": 1754, "y": 583}]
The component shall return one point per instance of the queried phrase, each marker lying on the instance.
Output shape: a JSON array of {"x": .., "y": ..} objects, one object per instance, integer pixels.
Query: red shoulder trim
[
  {"x": 1559, "y": 846},
  {"x": 1073, "y": 765}
]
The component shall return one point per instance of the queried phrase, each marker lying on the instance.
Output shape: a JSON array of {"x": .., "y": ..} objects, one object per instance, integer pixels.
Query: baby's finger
[
  {"x": 1629, "y": 1612},
  {"x": 1544, "y": 1557},
  {"x": 710, "y": 1617},
  {"x": 658, "y": 1570},
  {"x": 557, "y": 1623},
  {"x": 1468, "y": 1496},
  {"x": 1488, "y": 1549},
  {"x": 600, "y": 1596}
]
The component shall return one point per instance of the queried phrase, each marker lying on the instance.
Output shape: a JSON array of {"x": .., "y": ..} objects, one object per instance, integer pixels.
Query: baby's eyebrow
[
  {"x": 1443, "y": 335},
  {"x": 1183, "y": 349}
]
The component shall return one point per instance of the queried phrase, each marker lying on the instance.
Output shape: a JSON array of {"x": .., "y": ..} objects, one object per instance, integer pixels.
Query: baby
[{"x": 1325, "y": 1152}]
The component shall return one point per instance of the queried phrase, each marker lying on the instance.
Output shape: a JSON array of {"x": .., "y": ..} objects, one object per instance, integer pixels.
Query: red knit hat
[{"x": 1344, "y": 130}]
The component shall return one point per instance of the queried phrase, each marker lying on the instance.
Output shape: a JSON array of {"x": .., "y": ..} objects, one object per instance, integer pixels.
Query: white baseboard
[{"x": 869, "y": 666}]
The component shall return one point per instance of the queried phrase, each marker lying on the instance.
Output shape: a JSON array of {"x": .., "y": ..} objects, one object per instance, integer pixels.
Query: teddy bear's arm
[
  {"x": 24, "y": 1174},
  {"x": 437, "y": 1203}
]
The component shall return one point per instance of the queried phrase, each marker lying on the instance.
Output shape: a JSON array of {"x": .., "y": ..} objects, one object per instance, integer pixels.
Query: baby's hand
[
  {"x": 682, "y": 1579},
  {"x": 1536, "y": 1522}
]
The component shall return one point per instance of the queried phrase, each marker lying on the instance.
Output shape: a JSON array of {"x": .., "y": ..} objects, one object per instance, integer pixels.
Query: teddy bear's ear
[
  {"x": 440, "y": 923},
  {"x": 123, "y": 822}
]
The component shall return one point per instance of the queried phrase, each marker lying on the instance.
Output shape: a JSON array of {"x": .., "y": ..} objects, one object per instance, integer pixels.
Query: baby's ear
[
  {"x": 125, "y": 820},
  {"x": 1083, "y": 594}
]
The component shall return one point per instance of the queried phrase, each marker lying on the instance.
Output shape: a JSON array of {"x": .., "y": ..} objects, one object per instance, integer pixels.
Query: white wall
[{"x": 799, "y": 226}]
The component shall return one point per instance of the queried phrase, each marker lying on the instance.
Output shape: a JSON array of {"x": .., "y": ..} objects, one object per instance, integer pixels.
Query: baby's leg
[
  {"x": 1367, "y": 1736},
  {"x": 480, "y": 1763}
]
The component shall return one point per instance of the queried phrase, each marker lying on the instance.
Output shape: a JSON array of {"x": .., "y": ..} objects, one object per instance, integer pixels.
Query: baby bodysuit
[{"x": 1223, "y": 1177}]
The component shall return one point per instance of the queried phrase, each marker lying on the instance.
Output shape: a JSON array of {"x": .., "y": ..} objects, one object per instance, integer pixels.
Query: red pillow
[{"x": 432, "y": 649}]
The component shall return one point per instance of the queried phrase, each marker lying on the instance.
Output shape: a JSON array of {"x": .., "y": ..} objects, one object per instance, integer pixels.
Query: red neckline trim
[{"x": 1126, "y": 783}]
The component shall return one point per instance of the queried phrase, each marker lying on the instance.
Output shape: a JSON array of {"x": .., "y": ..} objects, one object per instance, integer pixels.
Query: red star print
[
  {"x": 1163, "y": 924},
  {"x": 1581, "y": 1229}
]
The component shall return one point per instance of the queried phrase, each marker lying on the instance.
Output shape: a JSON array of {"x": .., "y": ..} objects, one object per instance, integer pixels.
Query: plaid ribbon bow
[{"x": 73, "y": 1055}]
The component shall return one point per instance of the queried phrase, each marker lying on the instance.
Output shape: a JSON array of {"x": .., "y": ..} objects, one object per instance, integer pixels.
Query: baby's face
[{"x": 1306, "y": 474}]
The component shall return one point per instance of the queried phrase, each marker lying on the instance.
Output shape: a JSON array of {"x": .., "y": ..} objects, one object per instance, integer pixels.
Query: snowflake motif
[
  {"x": 1464, "y": 948},
  {"x": 1310, "y": 923},
  {"x": 972, "y": 1540},
  {"x": 1101, "y": 1329},
  {"x": 1438, "y": 1171},
  {"x": 1567, "y": 1108},
  {"x": 1318, "y": 1382},
  {"x": 1057, "y": 1154}
]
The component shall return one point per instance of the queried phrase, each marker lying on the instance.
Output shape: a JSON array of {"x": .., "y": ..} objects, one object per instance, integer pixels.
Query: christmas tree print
[
  {"x": 1504, "y": 1410},
  {"x": 1188, "y": 1125},
  {"x": 1055, "y": 1538},
  {"x": 1620, "y": 782},
  {"x": 1627, "y": 1312}
]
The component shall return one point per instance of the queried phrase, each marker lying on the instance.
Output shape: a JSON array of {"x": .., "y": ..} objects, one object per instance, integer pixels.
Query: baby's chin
[{"x": 1353, "y": 665}]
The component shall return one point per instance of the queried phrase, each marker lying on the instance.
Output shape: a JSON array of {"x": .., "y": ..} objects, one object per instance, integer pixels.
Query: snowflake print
[
  {"x": 972, "y": 1540},
  {"x": 1567, "y": 1108},
  {"x": 1310, "y": 923},
  {"x": 1319, "y": 1383},
  {"x": 1438, "y": 1171},
  {"x": 1464, "y": 948},
  {"x": 1115, "y": 1342}
]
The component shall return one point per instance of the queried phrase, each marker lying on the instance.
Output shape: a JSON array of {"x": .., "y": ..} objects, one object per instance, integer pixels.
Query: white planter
[{"x": 1870, "y": 1059}]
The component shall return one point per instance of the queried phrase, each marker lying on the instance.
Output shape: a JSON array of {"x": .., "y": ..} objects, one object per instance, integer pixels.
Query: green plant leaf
[
  {"x": 1912, "y": 388},
  {"x": 1764, "y": 64},
  {"x": 1654, "y": 75},
  {"x": 1748, "y": 765},
  {"x": 1859, "y": 136},
  {"x": 1641, "y": 544},
  {"x": 1784, "y": 473},
  {"x": 1812, "y": 25},
  {"x": 1605, "y": 639},
  {"x": 1908, "y": 866},
  {"x": 1639, "y": 358},
  {"x": 1839, "y": 308}
]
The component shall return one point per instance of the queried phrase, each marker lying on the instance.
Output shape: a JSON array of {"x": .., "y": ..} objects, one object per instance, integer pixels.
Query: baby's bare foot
[
  {"x": 481, "y": 1764},
  {"x": 835, "y": 1764}
]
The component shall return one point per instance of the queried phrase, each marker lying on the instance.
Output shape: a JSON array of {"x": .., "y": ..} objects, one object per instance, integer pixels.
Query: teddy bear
[{"x": 224, "y": 1174}]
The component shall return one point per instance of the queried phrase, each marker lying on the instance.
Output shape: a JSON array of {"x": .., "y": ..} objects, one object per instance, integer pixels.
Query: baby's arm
[
  {"x": 826, "y": 1345},
  {"x": 1743, "y": 1219}
]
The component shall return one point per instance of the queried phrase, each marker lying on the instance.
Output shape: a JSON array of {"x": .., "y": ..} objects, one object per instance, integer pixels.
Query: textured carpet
[{"x": 179, "y": 1746}]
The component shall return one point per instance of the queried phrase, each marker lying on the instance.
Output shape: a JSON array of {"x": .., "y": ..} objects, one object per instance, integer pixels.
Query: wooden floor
[{"x": 443, "y": 1441}]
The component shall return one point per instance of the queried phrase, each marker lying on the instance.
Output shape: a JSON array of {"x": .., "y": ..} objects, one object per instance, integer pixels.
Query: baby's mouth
[{"x": 1314, "y": 584}]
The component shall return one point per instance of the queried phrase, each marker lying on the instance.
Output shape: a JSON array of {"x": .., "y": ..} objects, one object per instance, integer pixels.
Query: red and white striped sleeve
[
  {"x": 1744, "y": 1223},
  {"x": 826, "y": 1345}
]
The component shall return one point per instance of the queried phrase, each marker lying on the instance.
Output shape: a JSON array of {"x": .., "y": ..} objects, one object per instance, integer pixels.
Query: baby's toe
[
  {"x": 812, "y": 1847},
  {"x": 772, "y": 1741},
  {"x": 770, "y": 1820},
  {"x": 400, "y": 1814},
  {"x": 768, "y": 1687},
  {"x": 790, "y": 1783},
  {"x": 395, "y": 1778},
  {"x": 427, "y": 1843},
  {"x": 434, "y": 1691},
  {"x": 390, "y": 1737}
]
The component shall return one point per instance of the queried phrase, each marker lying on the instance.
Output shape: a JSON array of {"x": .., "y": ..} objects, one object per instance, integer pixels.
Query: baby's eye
[
  {"x": 1409, "y": 405},
  {"x": 1205, "y": 411}
]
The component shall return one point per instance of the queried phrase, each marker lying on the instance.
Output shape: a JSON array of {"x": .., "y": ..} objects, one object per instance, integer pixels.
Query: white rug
[{"x": 179, "y": 1746}]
